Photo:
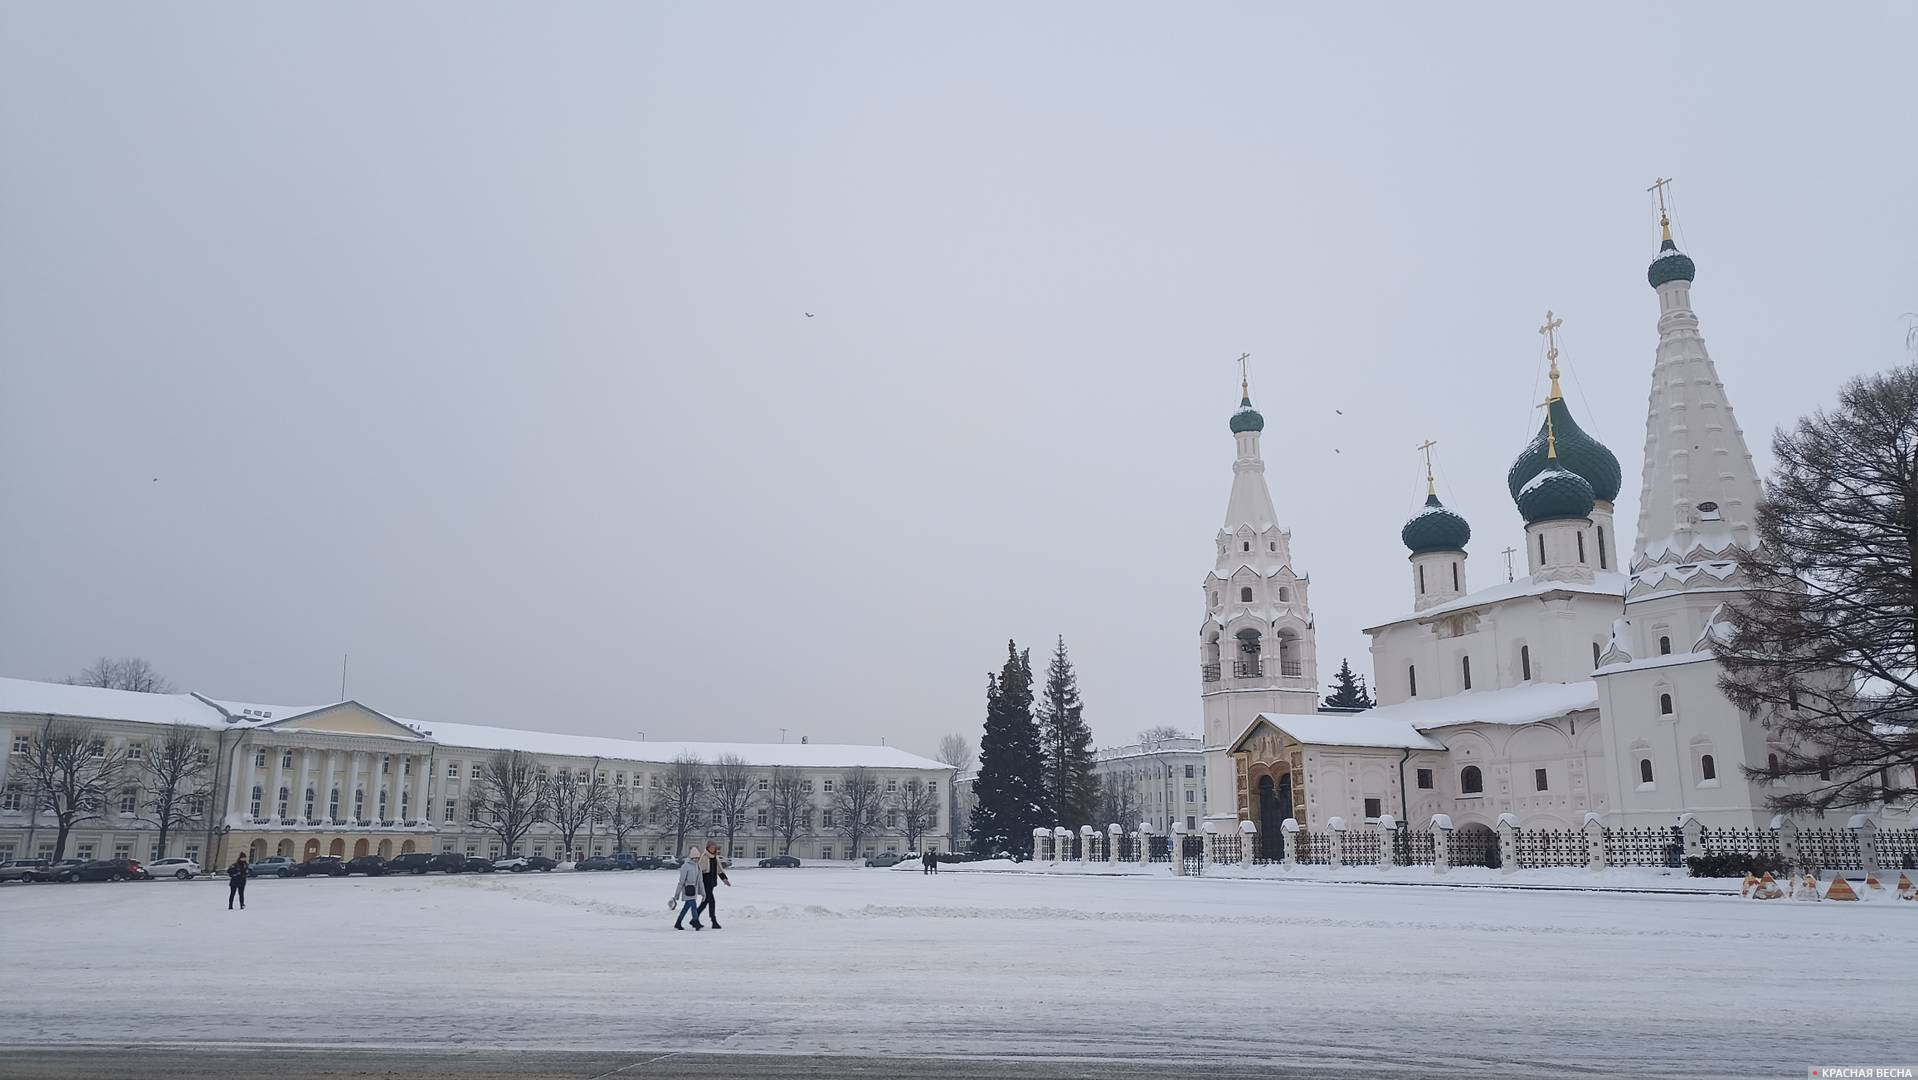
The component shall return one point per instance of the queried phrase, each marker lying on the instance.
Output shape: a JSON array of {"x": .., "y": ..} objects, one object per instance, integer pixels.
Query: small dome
[
  {"x": 1247, "y": 418},
  {"x": 1670, "y": 265},
  {"x": 1435, "y": 529},
  {"x": 1554, "y": 494},
  {"x": 1577, "y": 451}
]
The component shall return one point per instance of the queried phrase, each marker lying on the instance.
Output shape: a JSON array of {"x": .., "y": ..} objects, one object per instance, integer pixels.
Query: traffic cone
[
  {"x": 1905, "y": 889},
  {"x": 1808, "y": 889},
  {"x": 1840, "y": 889},
  {"x": 1767, "y": 888},
  {"x": 1745, "y": 889},
  {"x": 1871, "y": 882}
]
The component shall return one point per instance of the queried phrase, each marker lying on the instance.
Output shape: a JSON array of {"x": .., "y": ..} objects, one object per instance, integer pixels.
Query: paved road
[{"x": 89, "y": 1062}]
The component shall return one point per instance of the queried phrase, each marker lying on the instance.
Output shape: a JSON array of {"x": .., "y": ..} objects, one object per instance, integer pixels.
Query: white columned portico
[
  {"x": 251, "y": 781},
  {"x": 423, "y": 783},
  {"x": 272, "y": 805},
  {"x": 306, "y": 783},
  {"x": 324, "y": 797},
  {"x": 351, "y": 796}
]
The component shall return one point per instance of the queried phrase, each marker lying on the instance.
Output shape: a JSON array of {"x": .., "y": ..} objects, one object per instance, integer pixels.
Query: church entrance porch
[{"x": 1275, "y": 805}]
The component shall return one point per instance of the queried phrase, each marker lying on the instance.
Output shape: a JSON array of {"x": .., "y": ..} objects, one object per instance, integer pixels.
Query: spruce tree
[
  {"x": 1351, "y": 692},
  {"x": 1007, "y": 792},
  {"x": 1071, "y": 789}
]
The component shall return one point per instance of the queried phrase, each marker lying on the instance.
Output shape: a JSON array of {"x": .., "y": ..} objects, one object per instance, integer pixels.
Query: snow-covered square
[{"x": 829, "y": 960}]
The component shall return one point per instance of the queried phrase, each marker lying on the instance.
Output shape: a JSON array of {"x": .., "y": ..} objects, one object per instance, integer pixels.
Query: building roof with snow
[
  {"x": 1527, "y": 704},
  {"x": 1603, "y": 583},
  {"x": 1341, "y": 729}
]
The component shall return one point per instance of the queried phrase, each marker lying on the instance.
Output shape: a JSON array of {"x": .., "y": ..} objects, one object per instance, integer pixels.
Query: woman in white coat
[{"x": 689, "y": 891}]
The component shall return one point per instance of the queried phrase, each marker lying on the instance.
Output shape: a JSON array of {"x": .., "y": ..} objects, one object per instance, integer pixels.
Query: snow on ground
[{"x": 1300, "y": 973}]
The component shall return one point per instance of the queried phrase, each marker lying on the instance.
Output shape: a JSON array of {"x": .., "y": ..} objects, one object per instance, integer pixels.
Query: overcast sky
[{"x": 471, "y": 341}]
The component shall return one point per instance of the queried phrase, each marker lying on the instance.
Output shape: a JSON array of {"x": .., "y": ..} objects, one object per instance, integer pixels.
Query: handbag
[{"x": 692, "y": 891}]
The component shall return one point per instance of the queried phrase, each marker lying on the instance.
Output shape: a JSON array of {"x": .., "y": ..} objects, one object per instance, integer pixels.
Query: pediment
[{"x": 346, "y": 718}]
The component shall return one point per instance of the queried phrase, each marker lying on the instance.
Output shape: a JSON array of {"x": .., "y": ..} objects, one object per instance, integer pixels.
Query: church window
[
  {"x": 1285, "y": 595},
  {"x": 1664, "y": 646},
  {"x": 1465, "y": 667},
  {"x": 1771, "y": 764},
  {"x": 1824, "y": 767},
  {"x": 1664, "y": 704},
  {"x": 1538, "y": 780},
  {"x": 1455, "y": 584},
  {"x": 1581, "y": 544},
  {"x": 1471, "y": 781},
  {"x": 1246, "y": 546},
  {"x": 1541, "y": 549},
  {"x": 1425, "y": 779},
  {"x": 1602, "y": 563},
  {"x": 1707, "y": 768},
  {"x": 1412, "y": 678},
  {"x": 1245, "y": 595},
  {"x": 1594, "y": 654},
  {"x": 1525, "y": 662},
  {"x": 1421, "y": 579},
  {"x": 1373, "y": 808},
  {"x": 1644, "y": 770}
]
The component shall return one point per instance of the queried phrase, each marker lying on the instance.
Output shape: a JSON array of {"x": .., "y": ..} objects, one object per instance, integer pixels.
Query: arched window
[
  {"x": 1525, "y": 662},
  {"x": 1602, "y": 563},
  {"x": 1465, "y": 668},
  {"x": 1470, "y": 780},
  {"x": 1771, "y": 764},
  {"x": 1594, "y": 654},
  {"x": 1455, "y": 584},
  {"x": 1246, "y": 545},
  {"x": 1707, "y": 768},
  {"x": 1412, "y": 678},
  {"x": 1421, "y": 579},
  {"x": 1285, "y": 595},
  {"x": 1581, "y": 544},
  {"x": 1664, "y": 646},
  {"x": 1245, "y": 594},
  {"x": 1664, "y": 704},
  {"x": 1272, "y": 545},
  {"x": 1644, "y": 770}
]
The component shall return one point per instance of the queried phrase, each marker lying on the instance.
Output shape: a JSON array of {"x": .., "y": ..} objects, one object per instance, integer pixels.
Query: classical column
[
  {"x": 252, "y": 780},
  {"x": 423, "y": 788},
  {"x": 328, "y": 778},
  {"x": 353, "y": 784},
  {"x": 272, "y": 806},
  {"x": 304, "y": 781}
]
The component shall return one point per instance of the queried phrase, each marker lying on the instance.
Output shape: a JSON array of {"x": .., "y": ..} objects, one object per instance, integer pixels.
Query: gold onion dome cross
[{"x": 1550, "y": 330}]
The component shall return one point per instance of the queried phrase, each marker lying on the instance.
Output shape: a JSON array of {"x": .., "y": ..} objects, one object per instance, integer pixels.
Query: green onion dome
[
  {"x": 1553, "y": 494},
  {"x": 1577, "y": 451},
  {"x": 1247, "y": 418},
  {"x": 1670, "y": 265},
  {"x": 1435, "y": 529}
]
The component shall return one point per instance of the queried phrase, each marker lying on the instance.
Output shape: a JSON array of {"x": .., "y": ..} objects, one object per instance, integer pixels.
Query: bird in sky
[{"x": 808, "y": 314}]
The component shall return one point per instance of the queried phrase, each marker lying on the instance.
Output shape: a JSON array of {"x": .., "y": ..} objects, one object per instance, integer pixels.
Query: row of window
[
  {"x": 1603, "y": 563},
  {"x": 1245, "y": 595}
]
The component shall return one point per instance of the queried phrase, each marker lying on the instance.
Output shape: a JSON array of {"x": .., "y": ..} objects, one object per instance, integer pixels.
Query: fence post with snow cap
[
  {"x": 1209, "y": 830},
  {"x": 1693, "y": 832},
  {"x": 1508, "y": 842},
  {"x": 1248, "y": 842},
  {"x": 1337, "y": 858},
  {"x": 1114, "y": 833},
  {"x": 1865, "y": 831},
  {"x": 1062, "y": 843},
  {"x": 1787, "y": 831},
  {"x": 1087, "y": 838},
  {"x": 1594, "y": 841},
  {"x": 1042, "y": 845},
  {"x": 1441, "y": 843},
  {"x": 1144, "y": 842},
  {"x": 1388, "y": 827},
  {"x": 1177, "y": 844},
  {"x": 1289, "y": 851}
]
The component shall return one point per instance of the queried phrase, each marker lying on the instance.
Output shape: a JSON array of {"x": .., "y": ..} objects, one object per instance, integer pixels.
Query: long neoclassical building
[{"x": 346, "y": 779}]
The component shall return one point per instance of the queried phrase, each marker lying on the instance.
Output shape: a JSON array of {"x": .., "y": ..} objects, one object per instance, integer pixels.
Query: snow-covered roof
[
  {"x": 1345, "y": 729},
  {"x": 24, "y": 696},
  {"x": 1604, "y": 583},
  {"x": 1658, "y": 661},
  {"x": 1512, "y": 705}
]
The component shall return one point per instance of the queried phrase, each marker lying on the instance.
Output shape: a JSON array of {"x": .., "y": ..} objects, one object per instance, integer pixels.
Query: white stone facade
[{"x": 1169, "y": 778}]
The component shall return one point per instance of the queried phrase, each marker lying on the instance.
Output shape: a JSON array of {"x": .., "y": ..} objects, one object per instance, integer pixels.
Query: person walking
[
  {"x": 713, "y": 871},
  {"x": 236, "y": 882},
  {"x": 925, "y": 861},
  {"x": 688, "y": 891}
]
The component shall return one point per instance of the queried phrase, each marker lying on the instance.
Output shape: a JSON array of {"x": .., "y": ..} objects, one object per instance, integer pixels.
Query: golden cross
[
  {"x": 1550, "y": 330},
  {"x": 1426, "y": 448},
  {"x": 1659, "y": 188},
  {"x": 1245, "y": 386}
]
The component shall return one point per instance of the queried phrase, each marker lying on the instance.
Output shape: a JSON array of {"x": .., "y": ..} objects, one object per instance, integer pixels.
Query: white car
[
  {"x": 518, "y": 864},
  {"x": 183, "y": 869}
]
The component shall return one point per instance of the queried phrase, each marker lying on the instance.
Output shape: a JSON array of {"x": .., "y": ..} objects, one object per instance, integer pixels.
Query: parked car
[
  {"x": 447, "y": 862},
  {"x": 370, "y": 865},
  {"x": 541, "y": 863},
  {"x": 515, "y": 863},
  {"x": 105, "y": 870},
  {"x": 413, "y": 862},
  {"x": 649, "y": 862},
  {"x": 184, "y": 869},
  {"x": 477, "y": 865},
  {"x": 321, "y": 866},
  {"x": 778, "y": 861},
  {"x": 627, "y": 860},
  {"x": 58, "y": 867},
  {"x": 888, "y": 859},
  {"x": 271, "y": 866},
  {"x": 597, "y": 862},
  {"x": 23, "y": 870}
]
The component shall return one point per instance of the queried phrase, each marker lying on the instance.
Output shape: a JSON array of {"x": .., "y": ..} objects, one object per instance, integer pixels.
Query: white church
[{"x": 1585, "y": 686}]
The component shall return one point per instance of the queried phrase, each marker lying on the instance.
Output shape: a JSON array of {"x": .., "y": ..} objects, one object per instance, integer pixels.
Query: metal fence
[
  {"x": 1644, "y": 847},
  {"x": 1473, "y": 847},
  {"x": 1550, "y": 847},
  {"x": 1898, "y": 849},
  {"x": 1414, "y": 847},
  {"x": 1314, "y": 849},
  {"x": 1761, "y": 843},
  {"x": 1830, "y": 849},
  {"x": 1362, "y": 846}
]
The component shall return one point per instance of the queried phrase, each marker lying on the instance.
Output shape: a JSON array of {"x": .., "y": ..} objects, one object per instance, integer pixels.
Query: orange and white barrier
[
  {"x": 1766, "y": 888},
  {"x": 1906, "y": 891},
  {"x": 1841, "y": 889}
]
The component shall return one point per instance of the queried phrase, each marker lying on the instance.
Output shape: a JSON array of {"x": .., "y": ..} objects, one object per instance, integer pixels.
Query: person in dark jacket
[
  {"x": 236, "y": 883},
  {"x": 931, "y": 861},
  {"x": 713, "y": 870}
]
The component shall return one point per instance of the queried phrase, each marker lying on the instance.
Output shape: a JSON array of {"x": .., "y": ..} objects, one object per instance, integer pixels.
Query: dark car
[
  {"x": 627, "y": 860},
  {"x": 449, "y": 862},
  {"x": 541, "y": 863},
  {"x": 414, "y": 862},
  {"x": 53, "y": 870},
  {"x": 477, "y": 865},
  {"x": 597, "y": 862},
  {"x": 370, "y": 865},
  {"x": 648, "y": 862},
  {"x": 105, "y": 870},
  {"x": 321, "y": 866},
  {"x": 779, "y": 860}
]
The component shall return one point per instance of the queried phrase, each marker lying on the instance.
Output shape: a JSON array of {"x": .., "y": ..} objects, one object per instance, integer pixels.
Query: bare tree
[
  {"x": 1823, "y": 648},
  {"x": 677, "y": 800},
  {"x": 789, "y": 800},
  {"x": 1158, "y": 735},
  {"x": 731, "y": 795},
  {"x": 70, "y": 774},
  {"x": 175, "y": 783},
  {"x": 625, "y": 815},
  {"x": 1118, "y": 802},
  {"x": 956, "y": 753},
  {"x": 917, "y": 804},
  {"x": 508, "y": 797},
  {"x": 858, "y": 807},
  {"x": 122, "y": 673},
  {"x": 576, "y": 800}
]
